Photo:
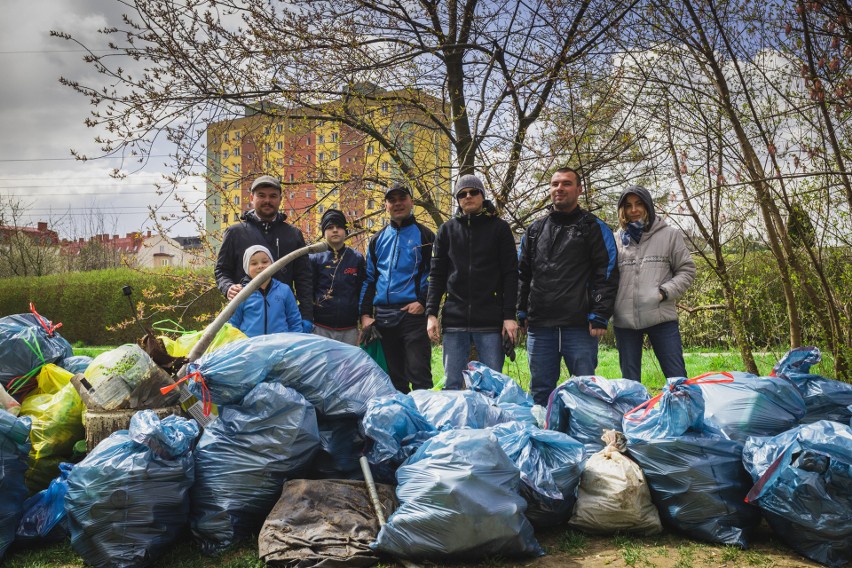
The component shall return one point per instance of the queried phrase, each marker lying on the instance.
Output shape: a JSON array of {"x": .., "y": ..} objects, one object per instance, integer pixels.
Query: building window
[
  {"x": 225, "y": 186},
  {"x": 335, "y": 192},
  {"x": 292, "y": 195},
  {"x": 237, "y": 135},
  {"x": 307, "y": 194},
  {"x": 321, "y": 156},
  {"x": 370, "y": 223},
  {"x": 267, "y": 147},
  {"x": 162, "y": 248},
  {"x": 226, "y": 137},
  {"x": 236, "y": 168},
  {"x": 292, "y": 178},
  {"x": 279, "y": 128},
  {"x": 279, "y": 145},
  {"x": 266, "y": 130},
  {"x": 236, "y": 200},
  {"x": 236, "y": 151},
  {"x": 226, "y": 170},
  {"x": 371, "y": 204},
  {"x": 334, "y": 154},
  {"x": 226, "y": 154},
  {"x": 225, "y": 218},
  {"x": 290, "y": 160},
  {"x": 385, "y": 166},
  {"x": 334, "y": 136},
  {"x": 308, "y": 141},
  {"x": 321, "y": 139},
  {"x": 320, "y": 209},
  {"x": 370, "y": 149}
]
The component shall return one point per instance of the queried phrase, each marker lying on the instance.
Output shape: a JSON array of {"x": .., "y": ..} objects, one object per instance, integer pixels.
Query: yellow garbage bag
[
  {"x": 181, "y": 346},
  {"x": 57, "y": 426},
  {"x": 51, "y": 379}
]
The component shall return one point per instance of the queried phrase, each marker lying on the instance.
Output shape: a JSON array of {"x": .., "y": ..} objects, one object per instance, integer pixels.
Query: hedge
[{"x": 87, "y": 303}]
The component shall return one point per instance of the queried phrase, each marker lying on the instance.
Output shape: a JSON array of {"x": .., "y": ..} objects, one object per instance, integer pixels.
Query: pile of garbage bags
[
  {"x": 27, "y": 342},
  {"x": 129, "y": 499},
  {"x": 475, "y": 475}
]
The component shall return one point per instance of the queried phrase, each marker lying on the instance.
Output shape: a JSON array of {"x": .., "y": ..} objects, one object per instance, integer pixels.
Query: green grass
[
  {"x": 572, "y": 542},
  {"x": 697, "y": 362},
  {"x": 93, "y": 350}
]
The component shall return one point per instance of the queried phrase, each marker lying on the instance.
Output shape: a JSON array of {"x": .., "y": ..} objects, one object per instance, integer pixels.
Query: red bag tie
[
  {"x": 699, "y": 380},
  {"x": 206, "y": 398},
  {"x": 50, "y": 329}
]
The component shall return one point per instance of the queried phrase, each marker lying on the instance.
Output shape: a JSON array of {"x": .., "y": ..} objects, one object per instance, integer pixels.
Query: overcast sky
[{"x": 41, "y": 120}]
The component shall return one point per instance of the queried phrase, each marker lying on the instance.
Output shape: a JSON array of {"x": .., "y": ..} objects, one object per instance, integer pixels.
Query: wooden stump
[{"x": 101, "y": 423}]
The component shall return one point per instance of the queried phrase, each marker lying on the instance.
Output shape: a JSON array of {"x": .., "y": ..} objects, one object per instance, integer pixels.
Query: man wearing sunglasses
[{"x": 474, "y": 265}]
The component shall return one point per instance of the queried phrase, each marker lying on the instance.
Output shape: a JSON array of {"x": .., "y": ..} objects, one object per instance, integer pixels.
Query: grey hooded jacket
[{"x": 659, "y": 260}]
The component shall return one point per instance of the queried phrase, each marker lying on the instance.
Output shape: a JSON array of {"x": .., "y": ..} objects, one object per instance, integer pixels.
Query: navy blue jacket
[
  {"x": 398, "y": 260},
  {"x": 338, "y": 277}
]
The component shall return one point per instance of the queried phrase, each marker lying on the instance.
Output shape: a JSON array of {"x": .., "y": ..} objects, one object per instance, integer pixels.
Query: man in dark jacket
[
  {"x": 394, "y": 294},
  {"x": 474, "y": 264},
  {"x": 568, "y": 280},
  {"x": 265, "y": 225},
  {"x": 338, "y": 274}
]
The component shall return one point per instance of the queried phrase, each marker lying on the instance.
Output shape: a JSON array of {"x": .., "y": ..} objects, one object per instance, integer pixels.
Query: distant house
[
  {"x": 39, "y": 234},
  {"x": 135, "y": 249}
]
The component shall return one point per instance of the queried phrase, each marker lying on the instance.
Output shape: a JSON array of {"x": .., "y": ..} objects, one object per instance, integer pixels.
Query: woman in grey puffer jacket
[{"x": 656, "y": 269}]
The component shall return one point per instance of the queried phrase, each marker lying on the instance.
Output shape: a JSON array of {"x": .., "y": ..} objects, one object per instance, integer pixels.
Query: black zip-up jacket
[
  {"x": 568, "y": 271},
  {"x": 474, "y": 263},
  {"x": 281, "y": 238},
  {"x": 338, "y": 277}
]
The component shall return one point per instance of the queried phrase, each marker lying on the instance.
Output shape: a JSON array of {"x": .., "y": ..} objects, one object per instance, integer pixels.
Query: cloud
[{"x": 42, "y": 120}]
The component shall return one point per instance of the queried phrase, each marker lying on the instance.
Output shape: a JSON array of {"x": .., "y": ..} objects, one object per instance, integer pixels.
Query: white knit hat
[{"x": 250, "y": 252}]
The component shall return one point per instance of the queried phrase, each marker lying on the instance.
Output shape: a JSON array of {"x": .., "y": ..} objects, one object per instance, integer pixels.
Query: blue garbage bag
[
  {"x": 459, "y": 500},
  {"x": 338, "y": 379},
  {"x": 747, "y": 405},
  {"x": 244, "y": 457},
  {"x": 14, "y": 449},
  {"x": 394, "y": 429},
  {"x": 551, "y": 464},
  {"x": 583, "y": 407},
  {"x": 803, "y": 485},
  {"x": 44, "y": 518},
  {"x": 129, "y": 499},
  {"x": 76, "y": 364},
  {"x": 825, "y": 399},
  {"x": 450, "y": 410},
  {"x": 341, "y": 447},
  {"x": 505, "y": 392},
  {"x": 27, "y": 343},
  {"x": 695, "y": 473}
]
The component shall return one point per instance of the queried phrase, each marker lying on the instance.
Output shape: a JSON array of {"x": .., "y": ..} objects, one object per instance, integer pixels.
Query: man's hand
[
  {"x": 366, "y": 321},
  {"x": 433, "y": 329},
  {"x": 234, "y": 290},
  {"x": 414, "y": 308},
  {"x": 510, "y": 330},
  {"x": 596, "y": 331}
]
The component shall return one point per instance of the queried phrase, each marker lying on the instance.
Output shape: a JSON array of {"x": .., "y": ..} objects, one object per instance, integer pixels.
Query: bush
[{"x": 94, "y": 311}]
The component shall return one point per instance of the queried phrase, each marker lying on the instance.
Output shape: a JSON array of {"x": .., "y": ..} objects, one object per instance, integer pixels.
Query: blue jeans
[
  {"x": 546, "y": 346},
  {"x": 665, "y": 340},
  {"x": 489, "y": 346}
]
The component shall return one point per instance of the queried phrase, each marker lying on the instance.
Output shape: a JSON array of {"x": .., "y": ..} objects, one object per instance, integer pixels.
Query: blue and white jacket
[{"x": 398, "y": 260}]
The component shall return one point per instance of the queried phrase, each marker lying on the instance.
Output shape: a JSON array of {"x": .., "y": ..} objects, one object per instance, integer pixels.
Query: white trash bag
[{"x": 613, "y": 494}]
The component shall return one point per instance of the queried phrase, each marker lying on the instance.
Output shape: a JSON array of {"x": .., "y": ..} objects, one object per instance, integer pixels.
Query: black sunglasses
[{"x": 470, "y": 192}]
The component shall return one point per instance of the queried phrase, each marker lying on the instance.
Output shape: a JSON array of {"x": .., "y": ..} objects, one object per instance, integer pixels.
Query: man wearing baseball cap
[
  {"x": 474, "y": 264},
  {"x": 394, "y": 294},
  {"x": 338, "y": 274},
  {"x": 265, "y": 225}
]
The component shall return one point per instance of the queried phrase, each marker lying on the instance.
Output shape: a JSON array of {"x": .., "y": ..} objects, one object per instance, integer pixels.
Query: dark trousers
[
  {"x": 408, "y": 353},
  {"x": 665, "y": 340}
]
